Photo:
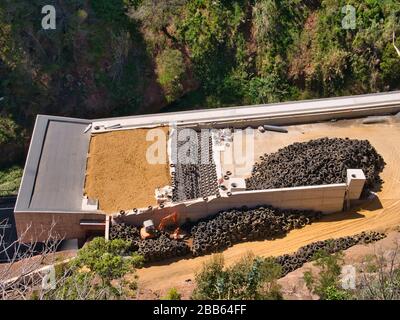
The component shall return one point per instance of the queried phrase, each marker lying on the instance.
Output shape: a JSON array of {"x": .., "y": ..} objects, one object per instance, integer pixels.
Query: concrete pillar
[
  {"x": 355, "y": 183},
  {"x": 107, "y": 230}
]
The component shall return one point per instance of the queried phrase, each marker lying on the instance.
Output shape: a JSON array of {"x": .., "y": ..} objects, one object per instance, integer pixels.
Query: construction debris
[
  {"x": 261, "y": 129},
  {"x": 372, "y": 120},
  {"x": 275, "y": 128},
  {"x": 222, "y": 136}
]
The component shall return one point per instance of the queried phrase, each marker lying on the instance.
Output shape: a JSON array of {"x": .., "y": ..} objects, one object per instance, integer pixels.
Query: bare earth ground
[
  {"x": 292, "y": 285},
  {"x": 118, "y": 173},
  {"x": 381, "y": 215}
]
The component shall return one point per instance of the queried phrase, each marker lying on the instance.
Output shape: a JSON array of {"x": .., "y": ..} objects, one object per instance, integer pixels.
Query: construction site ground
[
  {"x": 293, "y": 286},
  {"x": 118, "y": 173},
  {"x": 382, "y": 213}
]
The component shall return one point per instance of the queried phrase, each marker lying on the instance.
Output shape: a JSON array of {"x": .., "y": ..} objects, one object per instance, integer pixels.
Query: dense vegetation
[
  {"x": 377, "y": 277},
  {"x": 249, "y": 279},
  {"x": 124, "y": 57},
  {"x": 98, "y": 272}
]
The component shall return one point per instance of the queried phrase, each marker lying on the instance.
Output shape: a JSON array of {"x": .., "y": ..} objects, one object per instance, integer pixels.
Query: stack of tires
[
  {"x": 124, "y": 231},
  {"x": 162, "y": 248},
  {"x": 236, "y": 225},
  {"x": 291, "y": 262},
  {"x": 316, "y": 162}
]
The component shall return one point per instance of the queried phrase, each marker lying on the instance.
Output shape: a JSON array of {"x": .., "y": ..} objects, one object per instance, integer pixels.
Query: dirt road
[{"x": 382, "y": 214}]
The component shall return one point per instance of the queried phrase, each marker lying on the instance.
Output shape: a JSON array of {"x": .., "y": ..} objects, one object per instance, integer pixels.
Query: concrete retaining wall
[
  {"x": 285, "y": 113},
  {"x": 325, "y": 198}
]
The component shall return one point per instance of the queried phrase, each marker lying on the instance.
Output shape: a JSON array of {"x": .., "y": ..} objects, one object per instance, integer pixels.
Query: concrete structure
[
  {"x": 286, "y": 113},
  {"x": 325, "y": 198},
  {"x": 52, "y": 184},
  {"x": 355, "y": 182},
  {"x": 51, "y": 190}
]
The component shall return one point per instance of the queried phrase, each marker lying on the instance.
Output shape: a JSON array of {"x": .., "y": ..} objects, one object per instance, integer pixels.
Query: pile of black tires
[
  {"x": 161, "y": 248},
  {"x": 291, "y": 262},
  {"x": 229, "y": 227},
  {"x": 320, "y": 161},
  {"x": 124, "y": 231},
  {"x": 236, "y": 225},
  {"x": 152, "y": 250}
]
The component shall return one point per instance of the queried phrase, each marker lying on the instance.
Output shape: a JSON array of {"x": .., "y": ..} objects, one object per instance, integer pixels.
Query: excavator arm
[{"x": 173, "y": 218}]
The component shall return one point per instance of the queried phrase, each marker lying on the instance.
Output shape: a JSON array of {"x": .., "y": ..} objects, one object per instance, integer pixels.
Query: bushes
[
  {"x": 326, "y": 285},
  {"x": 172, "y": 294},
  {"x": 379, "y": 277},
  {"x": 170, "y": 71},
  {"x": 212, "y": 31},
  {"x": 108, "y": 259},
  {"x": 250, "y": 278},
  {"x": 11, "y": 141},
  {"x": 8, "y": 130},
  {"x": 98, "y": 272},
  {"x": 10, "y": 179}
]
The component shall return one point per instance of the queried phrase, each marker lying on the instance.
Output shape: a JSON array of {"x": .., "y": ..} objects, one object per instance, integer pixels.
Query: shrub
[
  {"x": 172, "y": 294},
  {"x": 379, "y": 277},
  {"x": 170, "y": 70},
  {"x": 108, "y": 259},
  {"x": 250, "y": 278},
  {"x": 326, "y": 285},
  {"x": 10, "y": 179},
  {"x": 8, "y": 130},
  {"x": 98, "y": 272}
]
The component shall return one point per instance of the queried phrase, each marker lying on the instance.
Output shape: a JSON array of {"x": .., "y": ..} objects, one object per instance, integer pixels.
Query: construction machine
[{"x": 148, "y": 231}]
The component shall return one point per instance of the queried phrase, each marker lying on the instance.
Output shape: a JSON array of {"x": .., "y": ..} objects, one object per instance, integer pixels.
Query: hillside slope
[{"x": 126, "y": 57}]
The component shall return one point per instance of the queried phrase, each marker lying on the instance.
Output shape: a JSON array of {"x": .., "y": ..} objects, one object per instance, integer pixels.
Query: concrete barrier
[{"x": 325, "y": 198}]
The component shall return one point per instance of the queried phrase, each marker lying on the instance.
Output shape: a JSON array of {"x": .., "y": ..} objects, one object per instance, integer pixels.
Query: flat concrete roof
[{"x": 54, "y": 173}]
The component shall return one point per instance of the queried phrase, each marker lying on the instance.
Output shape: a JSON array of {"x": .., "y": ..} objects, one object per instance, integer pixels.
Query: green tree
[
  {"x": 108, "y": 259},
  {"x": 100, "y": 271},
  {"x": 250, "y": 278},
  {"x": 327, "y": 283},
  {"x": 170, "y": 70}
]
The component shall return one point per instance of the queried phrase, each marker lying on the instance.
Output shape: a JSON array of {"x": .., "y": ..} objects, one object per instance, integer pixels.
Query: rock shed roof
[{"x": 54, "y": 172}]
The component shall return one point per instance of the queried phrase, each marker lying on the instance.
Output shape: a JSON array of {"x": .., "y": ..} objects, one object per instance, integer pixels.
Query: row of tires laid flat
[
  {"x": 291, "y": 262},
  {"x": 237, "y": 225}
]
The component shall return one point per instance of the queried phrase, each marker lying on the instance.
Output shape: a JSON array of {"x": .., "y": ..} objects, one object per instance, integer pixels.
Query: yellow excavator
[{"x": 149, "y": 231}]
